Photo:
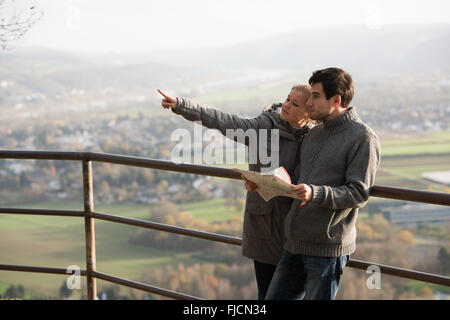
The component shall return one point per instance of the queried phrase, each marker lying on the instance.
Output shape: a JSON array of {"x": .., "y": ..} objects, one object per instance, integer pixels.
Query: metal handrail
[
  {"x": 380, "y": 191},
  {"x": 90, "y": 215}
]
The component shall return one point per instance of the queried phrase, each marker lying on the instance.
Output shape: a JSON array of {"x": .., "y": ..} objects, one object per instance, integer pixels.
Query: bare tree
[{"x": 15, "y": 21}]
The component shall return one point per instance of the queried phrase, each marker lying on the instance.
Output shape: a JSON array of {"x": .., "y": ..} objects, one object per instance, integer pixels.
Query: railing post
[{"x": 89, "y": 230}]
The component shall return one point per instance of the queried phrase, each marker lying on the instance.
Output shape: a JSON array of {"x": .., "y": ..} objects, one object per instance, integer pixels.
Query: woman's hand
[
  {"x": 249, "y": 185},
  {"x": 168, "y": 101}
]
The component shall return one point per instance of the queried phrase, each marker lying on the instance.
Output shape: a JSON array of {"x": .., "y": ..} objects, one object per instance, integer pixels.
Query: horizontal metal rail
[
  {"x": 168, "y": 228},
  {"x": 9, "y": 267},
  {"x": 43, "y": 155},
  {"x": 402, "y": 273},
  {"x": 43, "y": 212},
  {"x": 439, "y": 198},
  {"x": 377, "y": 191},
  {"x": 103, "y": 276},
  {"x": 144, "y": 287}
]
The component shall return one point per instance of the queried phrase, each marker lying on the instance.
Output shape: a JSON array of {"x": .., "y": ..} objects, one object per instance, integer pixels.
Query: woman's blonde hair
[{"x": 305, "y": 89}]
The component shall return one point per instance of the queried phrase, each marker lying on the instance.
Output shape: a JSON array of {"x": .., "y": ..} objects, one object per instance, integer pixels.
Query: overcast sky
[{"x": 147, "y": 25}]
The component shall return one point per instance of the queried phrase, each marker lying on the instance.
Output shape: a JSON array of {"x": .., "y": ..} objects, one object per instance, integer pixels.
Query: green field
[
  {"x": 211, "y": 210},
  {"x": 249, "y": 99},
  {"x": 3, "y": 287},
  {"x": 421, "y": 147},
  {"x": 404, "y": 160},
  {"x": 406, "y": 171},
  {"x": 429, "y": 143},
  {"x": 59, "y": 242}
]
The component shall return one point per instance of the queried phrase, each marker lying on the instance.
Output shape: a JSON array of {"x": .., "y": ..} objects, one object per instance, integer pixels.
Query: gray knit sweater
[{"x": 339, "y": 159}]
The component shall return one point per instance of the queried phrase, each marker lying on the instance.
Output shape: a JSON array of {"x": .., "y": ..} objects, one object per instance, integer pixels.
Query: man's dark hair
[{"x": 335, "y": 81}]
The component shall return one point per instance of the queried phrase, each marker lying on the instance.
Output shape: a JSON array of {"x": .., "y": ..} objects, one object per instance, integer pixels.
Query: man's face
[
  {"x": 319, "y": 108},
  {"x": 294, "y": 107}
]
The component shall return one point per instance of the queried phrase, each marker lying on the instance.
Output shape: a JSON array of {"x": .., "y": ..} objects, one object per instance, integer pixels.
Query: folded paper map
[{"x": 270, "y": 184}]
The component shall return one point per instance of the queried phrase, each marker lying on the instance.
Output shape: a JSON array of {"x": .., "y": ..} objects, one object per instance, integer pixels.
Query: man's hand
[
  {"x": 303, "y": 192},
  {"x": 168, "y": 101},
  {"x": 249, "y": 185}
]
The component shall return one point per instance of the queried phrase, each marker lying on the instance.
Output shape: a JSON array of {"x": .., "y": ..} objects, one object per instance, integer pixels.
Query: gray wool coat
[{"x": 263, "y": 233}]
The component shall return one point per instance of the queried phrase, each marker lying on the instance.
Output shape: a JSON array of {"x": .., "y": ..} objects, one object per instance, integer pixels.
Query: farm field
[
  {"x": 431, "y": 143},
  {"x": 59, "y": 242},
  {"x": 248, "y": 100},
  {"x": 404, "y": 160},
  {"x": 406, "y": 171}
]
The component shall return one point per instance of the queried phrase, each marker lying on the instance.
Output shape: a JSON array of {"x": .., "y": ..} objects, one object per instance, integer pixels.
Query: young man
[{"x": 339, "y": 159}]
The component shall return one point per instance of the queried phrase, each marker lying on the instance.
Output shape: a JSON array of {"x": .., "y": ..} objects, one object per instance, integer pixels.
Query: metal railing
[{"x": 90, "y": 215}]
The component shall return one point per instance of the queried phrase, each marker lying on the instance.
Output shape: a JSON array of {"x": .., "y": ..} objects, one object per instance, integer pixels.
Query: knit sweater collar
[
  {"x": 300, "y": 132},
  {"x": 342, "y": 121}
]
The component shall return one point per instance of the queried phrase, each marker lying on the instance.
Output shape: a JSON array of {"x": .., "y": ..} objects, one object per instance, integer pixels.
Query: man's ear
[{"x": 336, "y": 100}]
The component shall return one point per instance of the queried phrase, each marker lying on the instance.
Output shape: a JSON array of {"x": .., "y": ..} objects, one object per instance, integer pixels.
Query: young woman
[{"x": 263, "y": 230}]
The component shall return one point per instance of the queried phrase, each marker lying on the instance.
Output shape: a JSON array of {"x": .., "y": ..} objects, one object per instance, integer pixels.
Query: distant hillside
[
  {"x": 378, "y": 59},
  {"x": 53, "y": 72},
  {"x": 402, "y": 48}
]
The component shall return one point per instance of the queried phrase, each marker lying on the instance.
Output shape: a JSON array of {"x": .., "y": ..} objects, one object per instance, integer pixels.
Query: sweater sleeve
[
  {"x": 363, "y": 162},
  {"x": 215, "y": 119}
]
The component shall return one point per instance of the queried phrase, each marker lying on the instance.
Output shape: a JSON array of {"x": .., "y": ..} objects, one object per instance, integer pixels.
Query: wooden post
[{"x": 89, "y": 229}]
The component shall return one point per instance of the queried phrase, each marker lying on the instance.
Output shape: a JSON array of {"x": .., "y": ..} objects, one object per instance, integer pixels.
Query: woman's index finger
[{"x": 163, "y": 94}]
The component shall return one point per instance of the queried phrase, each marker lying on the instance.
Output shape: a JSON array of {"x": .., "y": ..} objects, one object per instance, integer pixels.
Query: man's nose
[{"x": 309, "y": 102}]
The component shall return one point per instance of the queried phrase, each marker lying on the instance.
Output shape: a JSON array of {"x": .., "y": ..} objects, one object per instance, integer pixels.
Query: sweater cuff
[
  {"x": 318, "y": 194},
  {"x": 180, "y": 106}
]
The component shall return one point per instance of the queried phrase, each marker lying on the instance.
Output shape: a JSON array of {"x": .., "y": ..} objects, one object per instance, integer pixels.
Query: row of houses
[{"x": 411, "y": 214}]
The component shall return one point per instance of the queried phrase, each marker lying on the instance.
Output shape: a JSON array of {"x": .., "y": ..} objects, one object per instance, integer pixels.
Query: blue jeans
[
  {"x": 264, "y": 273},
  {"x": 306, "y": 277}
]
